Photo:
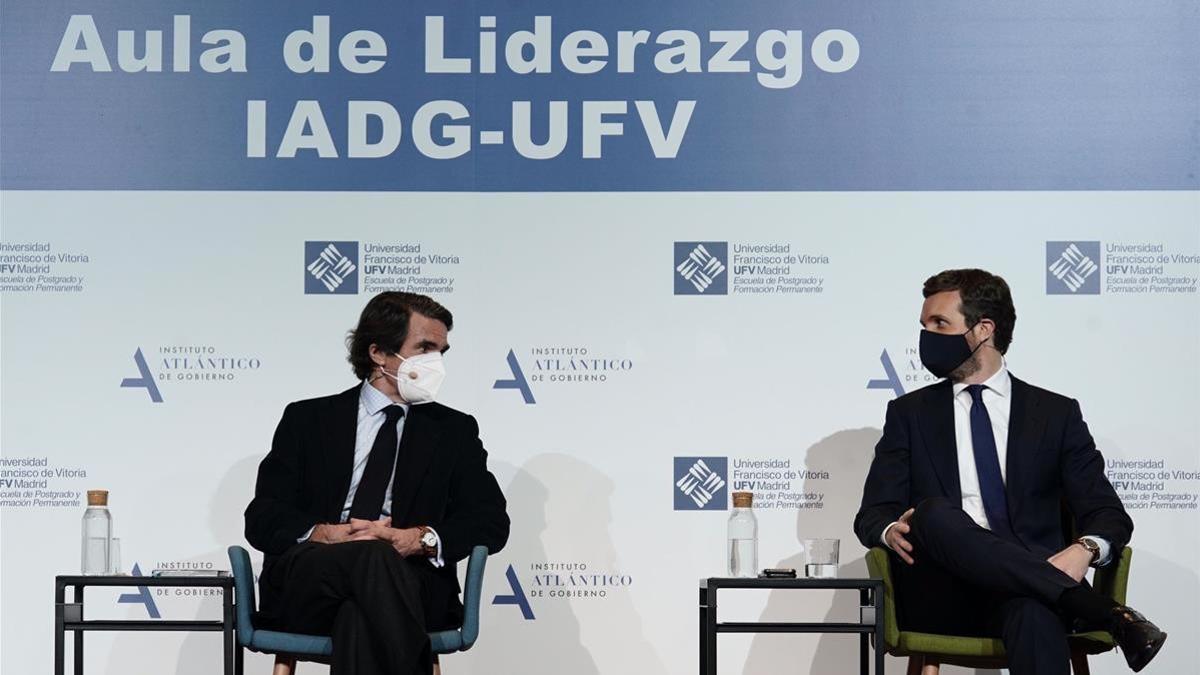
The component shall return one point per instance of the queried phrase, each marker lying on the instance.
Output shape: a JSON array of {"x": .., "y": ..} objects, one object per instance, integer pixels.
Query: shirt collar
[
  {"x": 372, "y": 400},
  {"x": 1000, "y": 382}
]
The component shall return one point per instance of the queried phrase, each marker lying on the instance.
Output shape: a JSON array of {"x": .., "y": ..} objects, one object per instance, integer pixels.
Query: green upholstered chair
[{"x": 926, "y": 651}]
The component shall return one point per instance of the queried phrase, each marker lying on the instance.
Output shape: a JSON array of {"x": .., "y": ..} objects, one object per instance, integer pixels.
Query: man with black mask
[{"x": 966, "y": 489}]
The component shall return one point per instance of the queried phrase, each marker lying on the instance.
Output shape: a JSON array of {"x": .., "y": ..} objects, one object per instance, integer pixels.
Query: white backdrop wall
[{"x": 589, "y": 467}]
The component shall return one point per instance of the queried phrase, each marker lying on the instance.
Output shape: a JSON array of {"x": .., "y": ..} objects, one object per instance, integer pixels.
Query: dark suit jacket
[
  {"x": 441, "y": 481},
  {"x": 1051, "y": 460}
]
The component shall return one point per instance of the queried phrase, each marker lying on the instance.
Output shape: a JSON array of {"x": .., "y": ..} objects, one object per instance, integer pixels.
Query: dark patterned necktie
[{"x": 372, "y": 486}]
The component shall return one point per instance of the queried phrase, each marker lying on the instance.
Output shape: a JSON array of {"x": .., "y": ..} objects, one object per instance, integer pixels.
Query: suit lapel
[
  {"x": 417, "y": 443},
  {"x": 937, "y": 421},
  {"x": 1026, "y": 422},
  {"x": 340, "y": 431}
]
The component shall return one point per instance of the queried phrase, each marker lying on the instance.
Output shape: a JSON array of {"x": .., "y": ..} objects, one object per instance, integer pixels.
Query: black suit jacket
[
  {"x": 441, "y": 481},
  {"x": 1051, "y": 460}
]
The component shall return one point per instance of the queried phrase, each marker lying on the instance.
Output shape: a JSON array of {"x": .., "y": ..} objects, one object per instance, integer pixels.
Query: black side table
[
  {"x": 68, "y": 616},
  {"x": 870, "y": 620}
]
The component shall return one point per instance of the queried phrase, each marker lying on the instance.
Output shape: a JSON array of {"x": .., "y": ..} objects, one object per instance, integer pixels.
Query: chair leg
[
  {"x": 921, "y": 665},
  {"x": 1079, "y": 663},
  {"x": 284, "y": 665}
]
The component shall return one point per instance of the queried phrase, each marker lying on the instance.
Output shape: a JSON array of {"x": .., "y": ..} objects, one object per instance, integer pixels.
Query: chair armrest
[
  {"x": 243, "y": 593},
  {"x": 879, "y": 566},
  {"x": 1112, "y": 580},
  {"x": 472, "y": 595}
]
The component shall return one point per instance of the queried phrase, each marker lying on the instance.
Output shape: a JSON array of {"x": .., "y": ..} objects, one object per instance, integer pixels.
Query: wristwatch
[
  {"x": 1091, "y": 546},
  {"x": 429, "y": 542}
]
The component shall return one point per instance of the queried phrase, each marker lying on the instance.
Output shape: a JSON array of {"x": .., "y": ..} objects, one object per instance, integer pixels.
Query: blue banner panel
[{"x": 622, "y": 95}]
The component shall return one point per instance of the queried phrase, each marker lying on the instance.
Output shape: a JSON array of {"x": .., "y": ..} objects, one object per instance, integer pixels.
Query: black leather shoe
[{"x": 1138, "y": 639}]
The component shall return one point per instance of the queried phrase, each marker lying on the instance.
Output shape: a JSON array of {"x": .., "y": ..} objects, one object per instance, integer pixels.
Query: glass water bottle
[
  {"x": 743, "y": 537},
  {"x": 97, "y": 533}
]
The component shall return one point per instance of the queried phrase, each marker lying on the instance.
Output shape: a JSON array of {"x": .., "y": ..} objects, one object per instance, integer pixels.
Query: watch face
[{"x": 429, "y": 539}]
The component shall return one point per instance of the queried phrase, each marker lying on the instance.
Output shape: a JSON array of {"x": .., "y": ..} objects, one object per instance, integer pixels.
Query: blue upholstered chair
[{"x": 288, "y": 647}]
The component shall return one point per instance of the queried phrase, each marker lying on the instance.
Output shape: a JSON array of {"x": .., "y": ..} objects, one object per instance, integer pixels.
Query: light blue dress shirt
[{"x": 371, "y": 417}]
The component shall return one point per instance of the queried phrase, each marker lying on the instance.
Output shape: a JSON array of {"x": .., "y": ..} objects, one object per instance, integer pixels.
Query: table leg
[
  {"x": 59, "y": 633},
  {"x": 700, "y": 639},
  {"x": 880, "y": 647},
  {"x": 864, "y": 668},
  {"x": 78, "y": 597},
  {"x": 227, "y": 629},
  {"x": 709, "y": 630}
]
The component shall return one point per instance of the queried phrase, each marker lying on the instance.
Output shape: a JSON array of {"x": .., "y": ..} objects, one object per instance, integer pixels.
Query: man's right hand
[
  {"x": 895, "y": 537},
  {"x": 327, "y": 533}
]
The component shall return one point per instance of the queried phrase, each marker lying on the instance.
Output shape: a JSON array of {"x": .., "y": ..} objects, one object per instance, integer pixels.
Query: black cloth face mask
[{"x": 942, "y": 353}]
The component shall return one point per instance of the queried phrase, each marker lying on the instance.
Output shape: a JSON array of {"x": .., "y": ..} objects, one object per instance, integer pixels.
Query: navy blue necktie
[{"x": 987, "y": 465}]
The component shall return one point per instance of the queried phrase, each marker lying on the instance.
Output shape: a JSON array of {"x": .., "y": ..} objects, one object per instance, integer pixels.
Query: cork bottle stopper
[
  {"x": 742, "y": 500},
  {"x": 97, "y": 497}
]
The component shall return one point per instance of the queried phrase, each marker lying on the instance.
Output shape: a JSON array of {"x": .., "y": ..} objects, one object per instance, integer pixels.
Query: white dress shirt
[
  {"x": 371, "y": 403},
  {"x": 997, "y": 398}
]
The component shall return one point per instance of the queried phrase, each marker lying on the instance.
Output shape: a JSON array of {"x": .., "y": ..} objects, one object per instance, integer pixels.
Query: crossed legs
[
  {"x": 368, "y": 598},
  {"x": 968, "y": 581}
]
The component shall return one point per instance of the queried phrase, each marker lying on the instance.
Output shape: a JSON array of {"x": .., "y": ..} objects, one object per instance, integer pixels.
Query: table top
[
  {"x": 801, "y": 582},
  {"x": 127, "y": 580}
]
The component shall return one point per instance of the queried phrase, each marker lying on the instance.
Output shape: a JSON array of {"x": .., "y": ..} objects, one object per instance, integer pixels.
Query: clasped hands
[
  {"x": 1073, "y": 560},
  {"x": 406, "y": 541}
]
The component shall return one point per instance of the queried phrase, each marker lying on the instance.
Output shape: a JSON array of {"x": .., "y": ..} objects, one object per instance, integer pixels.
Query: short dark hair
[
  {"x": 384, "y": 323},
  {"x": 984, "y": 296}
]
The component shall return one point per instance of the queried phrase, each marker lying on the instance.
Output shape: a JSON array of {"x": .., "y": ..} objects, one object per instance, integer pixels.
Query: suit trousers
[
  {"x": 968, "y": 581},
  {"x": 372, "y": 601}
]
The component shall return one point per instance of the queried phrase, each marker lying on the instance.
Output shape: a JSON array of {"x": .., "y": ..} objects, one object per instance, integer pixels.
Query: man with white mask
[{"x": 369, "y": 497}]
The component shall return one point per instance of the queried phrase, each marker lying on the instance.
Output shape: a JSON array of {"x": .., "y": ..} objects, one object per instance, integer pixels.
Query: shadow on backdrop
[
  {"x": 198, "y": 653},
  {"x": 550, "y": 642},
  {"x": 845, "y": 455}
]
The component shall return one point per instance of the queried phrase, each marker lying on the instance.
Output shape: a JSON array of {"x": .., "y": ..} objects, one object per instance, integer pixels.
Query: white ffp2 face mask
[{"x": 419, "y": 377}]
